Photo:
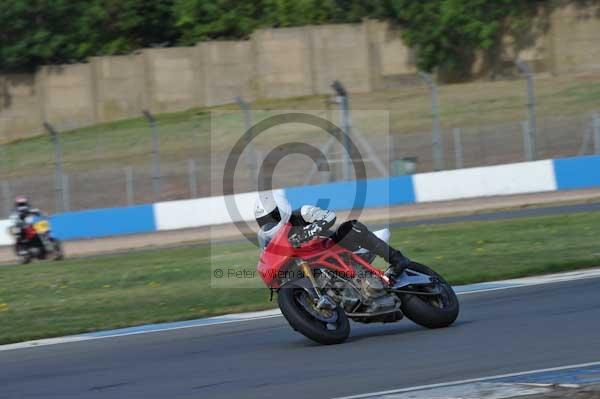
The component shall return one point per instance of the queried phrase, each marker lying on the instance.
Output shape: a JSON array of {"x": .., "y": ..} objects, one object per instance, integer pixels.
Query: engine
[
  {"x": 375, "y": 297},
  {"x": 362, "y": 294}
]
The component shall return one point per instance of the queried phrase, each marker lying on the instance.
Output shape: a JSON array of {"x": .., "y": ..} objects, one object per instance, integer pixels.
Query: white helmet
[{"x": 271, "y": 207}]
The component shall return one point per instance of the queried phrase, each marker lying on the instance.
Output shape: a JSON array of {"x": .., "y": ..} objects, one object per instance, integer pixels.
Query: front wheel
[
  {"x": 431, "y": 311},
  {"x": 327, "y": 327}
]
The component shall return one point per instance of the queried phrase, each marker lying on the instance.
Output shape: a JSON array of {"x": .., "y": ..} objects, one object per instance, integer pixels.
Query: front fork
[{"x": 322, "y": 301}]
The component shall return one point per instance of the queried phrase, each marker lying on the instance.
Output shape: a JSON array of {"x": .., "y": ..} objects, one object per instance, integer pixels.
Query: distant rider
[
  {"x": 21, "y": 212},
  {"x": 309, "y": 222},
  {"x": 23, "y": 209}
]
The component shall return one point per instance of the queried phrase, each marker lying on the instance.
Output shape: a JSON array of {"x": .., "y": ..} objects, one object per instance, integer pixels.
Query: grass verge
[
  {"x": 186, "y": 134},
  {"x": 74, "y": 296}
]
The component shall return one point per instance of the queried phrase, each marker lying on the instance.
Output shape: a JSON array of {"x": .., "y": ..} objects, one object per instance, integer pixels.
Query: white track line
[
  {"x": 243, "y": 317},
  {"x": 468, "y": 381}
]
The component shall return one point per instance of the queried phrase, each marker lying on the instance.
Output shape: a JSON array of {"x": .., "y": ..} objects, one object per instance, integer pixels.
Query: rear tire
[
  {"x": 306, "y": 324},
  {"x": 58, "y": 251},
  {"x": 25, "y": 259},
  {"x": 436, "y": 312}
]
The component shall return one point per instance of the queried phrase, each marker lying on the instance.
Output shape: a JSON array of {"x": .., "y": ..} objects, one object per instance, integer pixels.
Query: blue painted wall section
[
  {"x": 580, "y": 172},
  {"x": 344, "y": 195},
  {"x": 104, "y": 222}
]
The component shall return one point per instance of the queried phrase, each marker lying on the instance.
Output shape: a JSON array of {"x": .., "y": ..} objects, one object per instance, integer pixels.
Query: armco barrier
[
  {"x": 199, "y": 212},
  {"x": 343, "y": 195},
  {"x": 518, "y": 178},
  {"x": 527, "y": 177},
  {"x": 580, "y": 172},
  {"x": 104, "y": 222}
]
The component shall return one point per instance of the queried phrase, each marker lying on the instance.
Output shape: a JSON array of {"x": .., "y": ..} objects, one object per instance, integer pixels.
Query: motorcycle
[
  {"x": 33, "y": 240},
  {"x": 321, "y": 285}
]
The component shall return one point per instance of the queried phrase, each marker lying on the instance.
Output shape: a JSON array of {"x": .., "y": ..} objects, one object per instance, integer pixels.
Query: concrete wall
[
  {"x": 340, "y": 52},
  {"x": 274, "y": 63},
  {"x": 120, "y": 87},
  {"x": 67, "y": 95},
  {"x": 228, "y": 69},
  {"x": 392, "y": 63},
  {"x": 284, "y": 64},
  {"x": 575, "y": 39},
  {"x": 172, "y": 78},
  {"x": 20, "y": 108}
]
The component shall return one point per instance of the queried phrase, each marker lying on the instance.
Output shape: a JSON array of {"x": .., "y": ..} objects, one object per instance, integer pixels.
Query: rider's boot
[{"x": 398, "y": 262}]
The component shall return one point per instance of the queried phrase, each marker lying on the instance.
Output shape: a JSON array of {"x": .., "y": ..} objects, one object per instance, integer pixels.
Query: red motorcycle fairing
[
  {"x": 322, "y": 252},
  {"x": 29, "y": 232}
]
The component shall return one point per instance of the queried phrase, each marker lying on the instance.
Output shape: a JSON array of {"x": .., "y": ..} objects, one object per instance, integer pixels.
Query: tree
[
  {"x": 40, "y": 32},
  {"x": 215, "y": 19},
  {"x": 446, "y": 33}
]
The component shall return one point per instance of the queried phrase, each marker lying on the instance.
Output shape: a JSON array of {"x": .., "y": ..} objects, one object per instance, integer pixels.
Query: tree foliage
[
  {"x": 36, "y": 32},
  {"x": 446, "y": 32}
]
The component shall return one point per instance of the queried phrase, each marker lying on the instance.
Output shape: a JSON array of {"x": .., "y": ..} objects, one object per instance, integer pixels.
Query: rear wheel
[
  {"x": 436, "y": 311},
  {"x": 58, "y": 251},
  {"x": 25, "y": 259},
  {"x": 325, "y": 326}
]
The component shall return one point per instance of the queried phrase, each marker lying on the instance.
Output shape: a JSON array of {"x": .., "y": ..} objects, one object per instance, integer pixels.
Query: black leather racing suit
[
  {"x": 310, "y": 221},
  {"x": 19, "y": 216}
]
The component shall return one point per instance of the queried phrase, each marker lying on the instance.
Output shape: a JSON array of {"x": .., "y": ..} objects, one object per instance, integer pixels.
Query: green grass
[
  {"x": 53, "y": 299},
  {"x": 188, "y": 134}
]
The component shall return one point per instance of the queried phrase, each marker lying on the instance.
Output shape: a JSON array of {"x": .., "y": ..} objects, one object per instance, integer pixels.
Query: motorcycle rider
[
  {"x": 309, "y": 222},
  {"x": 23, "y": 209},
  {"x": 21, "y": 212}
]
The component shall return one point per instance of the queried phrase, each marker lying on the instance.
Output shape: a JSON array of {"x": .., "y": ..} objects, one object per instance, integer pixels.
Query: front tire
[
  {"x": 431, "y": 312},
  {"x": 290, "y": 300}
]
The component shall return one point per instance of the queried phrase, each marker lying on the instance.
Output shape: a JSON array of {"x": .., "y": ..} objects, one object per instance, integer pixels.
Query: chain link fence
[{"x": 133, "y": 162}]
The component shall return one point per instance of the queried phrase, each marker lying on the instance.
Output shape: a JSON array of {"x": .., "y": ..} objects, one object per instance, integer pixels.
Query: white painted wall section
[
  {"x": 519, "y": 178},
  {"x": 204, "y": 211},
  {"x": 5, "y": 238}
]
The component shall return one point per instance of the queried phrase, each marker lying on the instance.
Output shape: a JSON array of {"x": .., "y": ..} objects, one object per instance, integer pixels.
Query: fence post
[
  {"x": 532, "y": 128},
  {"x": 129, "y": 184},
  {"x": 251, "y": 158},
  {"x": 458, "y": 150},
  {"x": 528, "y": 145},
  {"x": 66, "y": 193},
  {"x": 7, "y": 198},
  {"x": 438, "y": 151},
  {"x": 596, "y": 129},
  {"x": 155, "y": 154},
  {"x": 192, "y": 178},
  {"x": 58, "y": 174},
  {"x": 346, "y": 126}
]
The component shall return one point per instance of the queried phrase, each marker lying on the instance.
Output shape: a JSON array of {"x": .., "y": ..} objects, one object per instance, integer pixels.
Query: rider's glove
[
  {"x": 307, "y": 233},
  {"x": 295, "y": 240}
]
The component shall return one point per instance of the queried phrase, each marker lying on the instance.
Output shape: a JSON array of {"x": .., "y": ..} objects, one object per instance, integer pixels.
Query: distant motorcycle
[
  {"x": 321, "y": 285},
  {"x": 33, "y": 240}
]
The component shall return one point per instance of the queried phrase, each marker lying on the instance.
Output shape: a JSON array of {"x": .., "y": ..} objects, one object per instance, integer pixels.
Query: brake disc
[{"x": 324, "y": 315}]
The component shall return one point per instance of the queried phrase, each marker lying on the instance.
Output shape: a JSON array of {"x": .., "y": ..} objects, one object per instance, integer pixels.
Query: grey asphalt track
[{"x": 497, "y": 332}]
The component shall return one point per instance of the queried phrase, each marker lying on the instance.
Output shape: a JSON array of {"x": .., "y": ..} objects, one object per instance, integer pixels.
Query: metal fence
[{"x": 157, "y": 160}]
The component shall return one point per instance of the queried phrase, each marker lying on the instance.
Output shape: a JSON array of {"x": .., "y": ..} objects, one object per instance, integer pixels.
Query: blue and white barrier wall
[{"x": 518, "y": 178}]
